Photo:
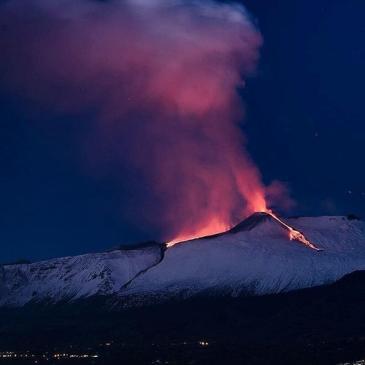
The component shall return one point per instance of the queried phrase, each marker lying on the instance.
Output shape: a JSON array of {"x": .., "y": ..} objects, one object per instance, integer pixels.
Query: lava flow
[{"x": 294, "y": 235}]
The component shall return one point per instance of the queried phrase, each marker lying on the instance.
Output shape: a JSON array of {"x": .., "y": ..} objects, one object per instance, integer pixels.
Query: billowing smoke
[{"x": 162, "y": 80}]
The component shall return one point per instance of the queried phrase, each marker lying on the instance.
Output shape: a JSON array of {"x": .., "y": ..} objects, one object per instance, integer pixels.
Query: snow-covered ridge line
[{"x": 255, "y": 257}]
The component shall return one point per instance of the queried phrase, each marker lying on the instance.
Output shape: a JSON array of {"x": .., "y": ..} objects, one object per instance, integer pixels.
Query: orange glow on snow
[
  {"x": 216, "y": 226},
  {"x": 219, "y": 223}
]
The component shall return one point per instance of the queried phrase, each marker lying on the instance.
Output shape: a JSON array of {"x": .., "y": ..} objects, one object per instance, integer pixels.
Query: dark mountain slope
[{"x": 323, "y": 325}]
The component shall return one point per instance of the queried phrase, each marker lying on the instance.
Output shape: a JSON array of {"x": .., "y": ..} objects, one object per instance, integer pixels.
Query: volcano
[
  {"x": 255, "y": 257},
  {"x": 256, "y": 219}
]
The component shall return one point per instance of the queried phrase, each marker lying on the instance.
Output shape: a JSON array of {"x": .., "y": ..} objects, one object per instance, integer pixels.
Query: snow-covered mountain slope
[
  {"x": 74, "y": 277},
  {"x": 256, "y": 257}
]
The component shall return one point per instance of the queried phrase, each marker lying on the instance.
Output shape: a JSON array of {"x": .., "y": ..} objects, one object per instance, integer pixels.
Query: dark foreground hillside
[{"x": 324, "y": 325}]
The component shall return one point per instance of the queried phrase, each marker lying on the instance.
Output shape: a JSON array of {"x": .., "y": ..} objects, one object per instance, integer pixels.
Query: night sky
[{"x": 304, "y": 126}]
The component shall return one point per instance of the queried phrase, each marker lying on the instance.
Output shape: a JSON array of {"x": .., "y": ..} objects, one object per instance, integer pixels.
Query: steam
[{"x": 162, "y": 79}]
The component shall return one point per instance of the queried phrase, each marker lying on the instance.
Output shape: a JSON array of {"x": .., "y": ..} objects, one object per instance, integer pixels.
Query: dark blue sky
[
  {"x": 305, "y": 126},
  {"x": 306, "y": 115}
]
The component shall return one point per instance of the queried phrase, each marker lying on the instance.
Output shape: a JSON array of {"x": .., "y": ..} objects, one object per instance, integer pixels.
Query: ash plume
[{"x": 162, "y": 79}]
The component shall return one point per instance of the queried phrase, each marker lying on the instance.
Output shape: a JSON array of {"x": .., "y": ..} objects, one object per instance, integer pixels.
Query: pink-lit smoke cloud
[{"x": 161, "y": 77}]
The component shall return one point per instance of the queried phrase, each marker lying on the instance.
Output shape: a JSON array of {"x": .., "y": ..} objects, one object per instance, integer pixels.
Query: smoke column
[{"x": 161, "y": 77}]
